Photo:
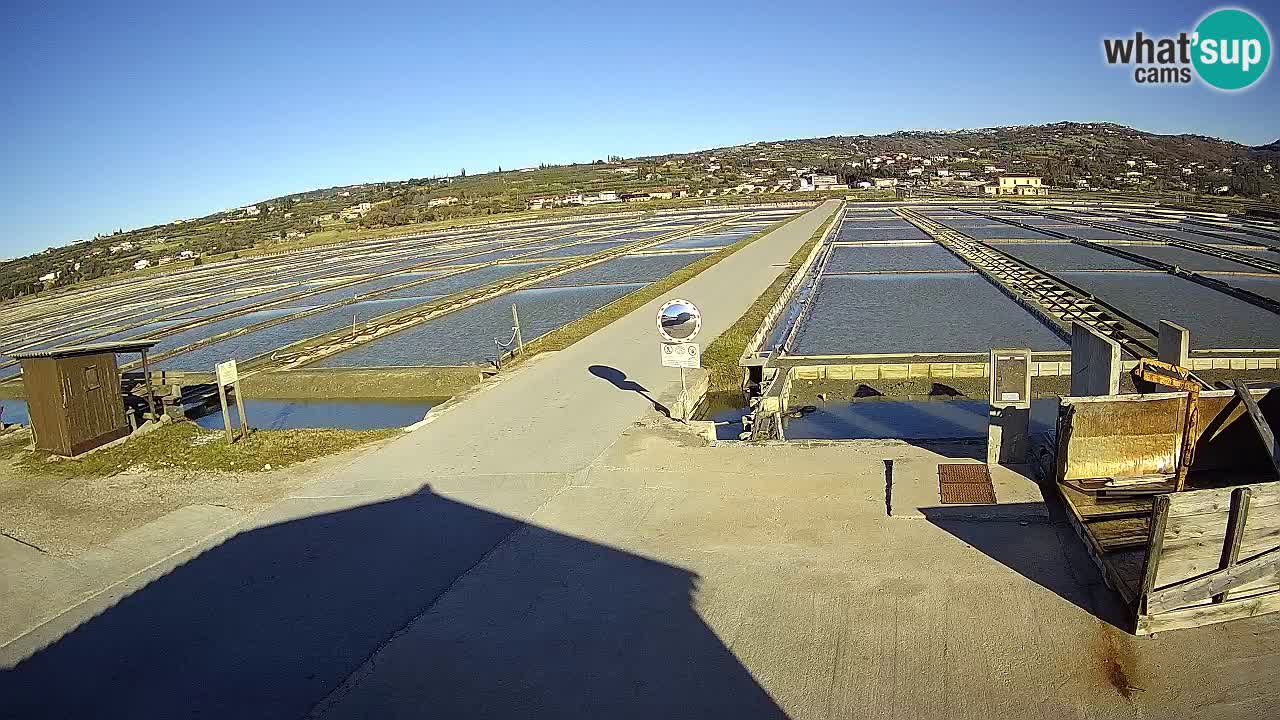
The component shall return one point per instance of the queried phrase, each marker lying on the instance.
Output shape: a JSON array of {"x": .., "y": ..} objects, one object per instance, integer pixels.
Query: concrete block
[
  {"x": 1174, "y": 345},
  {"x": 865, "y": 372},
  {"x": 894, "y": 372},
  {"x": 971, "y": 370},
  {"x": 840, "y": 372},
  {"x": 1095, "y": 362},
  {"x": 919, "y": 370},
  {"x": 1008, "y": 429}
]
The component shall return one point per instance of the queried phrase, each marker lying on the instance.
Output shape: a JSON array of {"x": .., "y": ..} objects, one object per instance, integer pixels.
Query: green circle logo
[{"x": 1232, "y": 49}]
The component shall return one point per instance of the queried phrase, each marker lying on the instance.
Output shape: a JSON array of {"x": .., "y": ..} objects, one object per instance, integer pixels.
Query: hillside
[{"x": 1069, "y": 155}]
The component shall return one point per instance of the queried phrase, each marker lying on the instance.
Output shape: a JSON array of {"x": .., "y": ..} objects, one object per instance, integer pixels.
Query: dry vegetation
[{"x": 185, "y": 446}]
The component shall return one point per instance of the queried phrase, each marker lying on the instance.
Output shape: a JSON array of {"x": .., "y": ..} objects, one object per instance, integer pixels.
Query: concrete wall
[
  {"x": 1095, "y": 362},
  {"x": 1174, "y": 345}
]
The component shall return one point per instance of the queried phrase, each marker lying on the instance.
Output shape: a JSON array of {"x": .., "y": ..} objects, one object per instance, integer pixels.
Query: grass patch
[
  {"x": 566, "y": 335},
  {"x": 186, "y": 446},
  {"x": 721, "y": 356}
]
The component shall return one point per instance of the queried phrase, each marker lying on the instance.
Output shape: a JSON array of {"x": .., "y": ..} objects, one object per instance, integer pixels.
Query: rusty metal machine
[{"x": 1149, "y": 373}]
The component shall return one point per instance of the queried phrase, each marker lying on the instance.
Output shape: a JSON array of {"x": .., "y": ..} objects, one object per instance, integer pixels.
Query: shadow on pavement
[
  {"x": 273, "y": 620},
  {"x": 1046, "y": 553},
  {"x": 619, "y": 380}
]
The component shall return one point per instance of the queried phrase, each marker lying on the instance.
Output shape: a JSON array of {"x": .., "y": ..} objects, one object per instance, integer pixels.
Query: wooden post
[
  {"x": 151, "y": 396},
  {"x": 226, "y": 416},
  {"x": 1240, "y": 498},
  {"x": 515, "y": 321},
  {"x": 1155, "y": 544},
  {"x": 1260, "y": 424},
  {"x": 244, "y": 424}
]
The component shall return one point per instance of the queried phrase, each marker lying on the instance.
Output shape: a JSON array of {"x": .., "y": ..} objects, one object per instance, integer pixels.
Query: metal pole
[
  {"x": 684, "y": 400},
  {"x": 515, "y": 319}
]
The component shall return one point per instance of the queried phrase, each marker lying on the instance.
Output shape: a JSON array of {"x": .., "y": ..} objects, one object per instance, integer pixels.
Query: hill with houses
[{"x": 1069, "y": 156}]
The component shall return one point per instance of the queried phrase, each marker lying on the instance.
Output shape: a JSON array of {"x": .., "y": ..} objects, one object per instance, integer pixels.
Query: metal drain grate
[{"x": 966, "y": 484}]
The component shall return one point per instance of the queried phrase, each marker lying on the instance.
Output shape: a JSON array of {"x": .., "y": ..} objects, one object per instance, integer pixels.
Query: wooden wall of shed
[
  {"x": 68, "y": 416},
  {"x": 96, "y": 415},
  {"x": 44, "y": 405}
]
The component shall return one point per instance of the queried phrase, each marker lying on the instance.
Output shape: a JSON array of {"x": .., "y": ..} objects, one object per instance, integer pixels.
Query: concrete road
[{"x": 549, "y": 547}]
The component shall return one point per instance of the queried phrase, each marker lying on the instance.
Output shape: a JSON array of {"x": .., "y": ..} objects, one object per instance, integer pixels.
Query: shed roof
[{"x": 127, "y": 346}]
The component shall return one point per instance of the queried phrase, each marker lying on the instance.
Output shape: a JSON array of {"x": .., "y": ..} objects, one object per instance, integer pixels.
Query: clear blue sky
[{"x": 138, "y": 113}]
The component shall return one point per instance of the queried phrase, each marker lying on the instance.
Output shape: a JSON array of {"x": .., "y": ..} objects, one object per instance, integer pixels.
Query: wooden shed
[{"x": 73, "y": 394}]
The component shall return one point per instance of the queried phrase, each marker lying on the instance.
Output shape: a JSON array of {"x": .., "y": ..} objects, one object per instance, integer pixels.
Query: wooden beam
[
  {"x": 1235, "y": 609},
  {"x": 1259, "y": 423},
  {"x": 1198, "y": 588},
  {"x": 1155, "y": 544},
  {"x": 1236, "y": 520}
]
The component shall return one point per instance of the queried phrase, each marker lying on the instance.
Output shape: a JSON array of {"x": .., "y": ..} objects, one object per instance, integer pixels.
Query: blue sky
[{"x": 129, "y": 115}]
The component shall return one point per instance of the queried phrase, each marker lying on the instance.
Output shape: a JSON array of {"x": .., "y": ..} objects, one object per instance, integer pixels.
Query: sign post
[
  {"x": 1009, "y": 424},
  {"x": 228, "y": 374},
  {"x": 678, "y": 324},
  {"x": 515, "y": 328}
]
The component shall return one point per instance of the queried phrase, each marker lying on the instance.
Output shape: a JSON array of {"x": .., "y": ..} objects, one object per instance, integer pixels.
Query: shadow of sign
[{"x": 618, "y": 379}]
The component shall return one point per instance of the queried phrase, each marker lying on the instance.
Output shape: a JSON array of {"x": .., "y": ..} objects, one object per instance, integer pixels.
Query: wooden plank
[
  {"x": 1235, "y": 533},
  {"x": 1127, "y": 567},
  {"x": 226, "y": 418},
  {"x": 1259, "y": 423},
  {"x": 1198, "y": 588},
  {"x": 1113, "y": 579},
  {"x": 1235, "y": 609},
  {"x": 1205, "y": 556},
  {"x": 1117, "y": 533},
  {"x": 1219, "y": 499},
  {"x": 1151, "y": 563},
  {"x": 1091, "y": 506},
  {"x": 1193, "y": 544}
]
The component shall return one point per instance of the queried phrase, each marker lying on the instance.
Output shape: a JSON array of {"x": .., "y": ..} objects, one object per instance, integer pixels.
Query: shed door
[{"x": 89, "y": 388}]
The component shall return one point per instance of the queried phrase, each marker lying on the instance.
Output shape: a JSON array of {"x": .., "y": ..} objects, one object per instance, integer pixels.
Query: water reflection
[{"x": 906, "y": 420}]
